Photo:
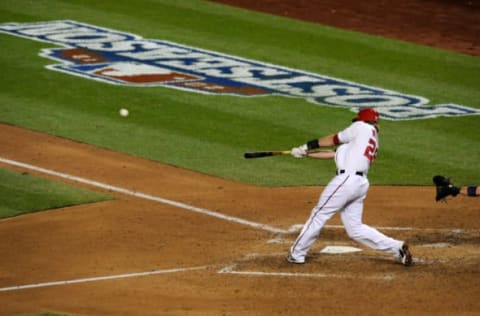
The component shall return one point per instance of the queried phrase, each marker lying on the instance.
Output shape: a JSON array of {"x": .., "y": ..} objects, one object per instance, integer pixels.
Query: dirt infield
[
  {"x": 196, "y": 262},
  {"x": 175, "y": 242}
]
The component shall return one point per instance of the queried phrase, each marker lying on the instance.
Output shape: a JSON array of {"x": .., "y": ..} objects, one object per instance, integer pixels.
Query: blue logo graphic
[{"x": 126, "y": 59}]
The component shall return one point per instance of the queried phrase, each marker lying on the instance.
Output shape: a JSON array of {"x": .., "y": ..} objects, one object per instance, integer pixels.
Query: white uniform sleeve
[{"x": 348, "y": 134}]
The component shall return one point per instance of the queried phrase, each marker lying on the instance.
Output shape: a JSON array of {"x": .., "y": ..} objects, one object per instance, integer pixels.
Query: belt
[{"x": 358, "y": 173}]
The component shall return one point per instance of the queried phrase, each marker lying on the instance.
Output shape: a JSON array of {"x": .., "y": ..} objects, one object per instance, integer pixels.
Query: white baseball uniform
[{"x": 346, "y": 192}]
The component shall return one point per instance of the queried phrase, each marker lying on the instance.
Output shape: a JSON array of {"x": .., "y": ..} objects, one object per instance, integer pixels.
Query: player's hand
[{"x": 299, "y": 152}]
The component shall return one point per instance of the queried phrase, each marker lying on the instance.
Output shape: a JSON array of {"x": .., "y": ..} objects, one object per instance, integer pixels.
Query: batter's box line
[
  {"x": 231, "y": 269},
  {"x": 297, "y": 227},
  {"x": 235, "y": 270}
]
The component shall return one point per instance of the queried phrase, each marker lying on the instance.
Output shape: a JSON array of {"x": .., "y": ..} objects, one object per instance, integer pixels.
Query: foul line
[
  {"x": 96, "y": 279},
  {"x": 292, "y": 229},
  {"x": 146, "y": 197}
]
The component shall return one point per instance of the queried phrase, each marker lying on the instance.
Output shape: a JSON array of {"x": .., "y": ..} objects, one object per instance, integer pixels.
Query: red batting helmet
[{"x": 369, "y": 115}]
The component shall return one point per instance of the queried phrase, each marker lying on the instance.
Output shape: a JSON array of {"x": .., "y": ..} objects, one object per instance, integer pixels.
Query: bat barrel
[{"x": 260, "y": 154}]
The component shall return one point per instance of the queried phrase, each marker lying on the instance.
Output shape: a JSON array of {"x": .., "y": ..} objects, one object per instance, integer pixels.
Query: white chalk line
[
  {"x": 100, "y": 278},
  {"x": 292, "y": 229},
  {"x": 298, "y": 227},
  {"x": 231, "y": 270},
  {"x": 146, "y": 196}
]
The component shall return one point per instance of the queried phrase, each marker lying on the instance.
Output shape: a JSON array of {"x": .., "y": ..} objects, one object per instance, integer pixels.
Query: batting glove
[{"x": 299, "y": 152}]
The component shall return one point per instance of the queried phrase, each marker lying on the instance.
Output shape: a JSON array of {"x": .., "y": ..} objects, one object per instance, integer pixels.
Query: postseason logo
[{"x": 127, "y": 59}]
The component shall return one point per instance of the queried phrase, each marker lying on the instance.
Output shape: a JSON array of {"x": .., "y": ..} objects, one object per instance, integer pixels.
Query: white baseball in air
[{"x": 123, "y": 112}]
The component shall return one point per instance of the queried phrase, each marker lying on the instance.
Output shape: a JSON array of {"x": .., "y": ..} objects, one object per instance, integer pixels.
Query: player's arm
[
  {"x": 330, "y": 154},
  {"x": 326, "y": 141}
]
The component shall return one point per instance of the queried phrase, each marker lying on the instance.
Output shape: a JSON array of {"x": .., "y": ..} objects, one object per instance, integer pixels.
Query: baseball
[{"x": 123, "y": 112}]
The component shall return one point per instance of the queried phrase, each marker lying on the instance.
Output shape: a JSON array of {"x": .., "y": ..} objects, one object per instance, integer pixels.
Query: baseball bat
[{"x": 260, "y": 154}]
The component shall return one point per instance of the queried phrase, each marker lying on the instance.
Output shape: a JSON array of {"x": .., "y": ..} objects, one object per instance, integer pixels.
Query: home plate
[{"x": 339, "y": 249}]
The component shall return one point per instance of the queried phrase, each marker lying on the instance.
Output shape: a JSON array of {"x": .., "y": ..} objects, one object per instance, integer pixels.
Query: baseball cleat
[
  {"x": 405, "y": 256},
  {"x": 293, "y": 260}
]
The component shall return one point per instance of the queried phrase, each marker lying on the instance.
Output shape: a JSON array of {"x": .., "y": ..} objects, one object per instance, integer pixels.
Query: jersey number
[{"x": 371, "y": 150}]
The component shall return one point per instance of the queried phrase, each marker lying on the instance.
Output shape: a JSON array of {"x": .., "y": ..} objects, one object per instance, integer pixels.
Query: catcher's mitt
[{"x": 444, "y": 187}]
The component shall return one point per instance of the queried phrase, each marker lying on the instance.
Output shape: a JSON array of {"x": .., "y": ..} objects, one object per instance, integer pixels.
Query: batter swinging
[{"x": 345, "y": 193}]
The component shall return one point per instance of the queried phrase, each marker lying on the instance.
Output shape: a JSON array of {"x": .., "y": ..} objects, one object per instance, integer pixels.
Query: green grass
[
  {"x": 210, "y": 133},
  {"x": 22, "y": 193}
]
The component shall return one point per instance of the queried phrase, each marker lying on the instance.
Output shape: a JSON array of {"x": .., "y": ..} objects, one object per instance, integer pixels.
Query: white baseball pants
[{"x": 345, "y": 193}]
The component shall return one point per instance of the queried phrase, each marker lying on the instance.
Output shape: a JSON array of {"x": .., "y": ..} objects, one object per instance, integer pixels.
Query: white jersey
[{"x": 358, "y": 149}]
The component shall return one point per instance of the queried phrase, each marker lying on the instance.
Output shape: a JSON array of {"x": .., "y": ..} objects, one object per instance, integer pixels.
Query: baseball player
[{"x": 357, "y": 148}]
